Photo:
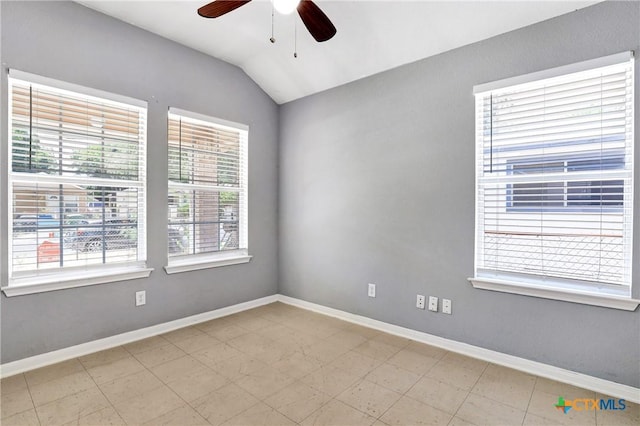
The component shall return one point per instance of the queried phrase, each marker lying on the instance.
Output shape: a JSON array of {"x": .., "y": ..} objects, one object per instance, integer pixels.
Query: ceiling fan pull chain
[
  {"x": 272, "y": 39},
  {"x": 295, "y": 39}
]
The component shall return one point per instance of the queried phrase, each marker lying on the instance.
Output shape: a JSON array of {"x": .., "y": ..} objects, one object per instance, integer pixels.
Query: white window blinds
[
  {"x": 76, "y": 180},
  {"x": 555, "y": 178},
  {"x": 207, "y": 185}
]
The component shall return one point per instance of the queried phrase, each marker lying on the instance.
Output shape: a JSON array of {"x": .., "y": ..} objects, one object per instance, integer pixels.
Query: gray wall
[
  {"x": 377, "y": 185},
  {"x": 69, "y": 42}
]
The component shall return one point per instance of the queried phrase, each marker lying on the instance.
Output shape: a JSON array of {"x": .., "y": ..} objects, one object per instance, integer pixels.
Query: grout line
[
  {"x": 33, "y": 403},
  {"x": 526, "y": 411}
]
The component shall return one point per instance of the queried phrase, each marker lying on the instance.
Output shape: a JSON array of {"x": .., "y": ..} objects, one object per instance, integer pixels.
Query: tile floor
[{"x": 280, "y": 365}]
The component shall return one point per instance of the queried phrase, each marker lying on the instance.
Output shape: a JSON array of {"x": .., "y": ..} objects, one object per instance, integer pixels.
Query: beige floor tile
[
  {"x": 366, "y": 332},
  {"x": 122, "y": 367},
  {"x": 347, "y": 339},
  {"x": 338, "y": 413},
  {"x": 511, "y": 387},
  {"x": 426, "y": 350},
  {"x": 533, "y": 420},
  {"x": 369, "y": 398},
  {"x": 457, "y": 421},
  {"x": 177, "y": 368},
  {"x": 182, "y": 416},
  {"x": 25, "y": 418},
  {"x": 377, "y": 350},
  {"x": 412, "y": 361},
  {"x": 275, "y": 352},
  {"x": 216, "y": 354},
  {"x": 454, "y": 374},
  {"x": 484, "y": 411},
  {"x": 437, "y": 394},
  {"x": 103, "y": 357},
  {"x": 299, "y": 339},
  {"x": 197, "y": 383},
  {"x": 407, "y": 411},
  {"x": 297, "y": 401},
  {"x": 260, "y": 415},
  {"x": 72, "y": 408},
  {"x": 105, "y": 417},
  {"x": 562, "y": 389},
  {"x": 253, "y": 324},
  {"x": 51, "y": 372},
  {"x": 59, "y": 388},
  {"x": 15, "y": 402},
  {"x": 330, "y": 380},
  {"x": 297, "y": 365},
  {"x": 197, "y": 343},
  {"x": 393, "y": 377},
  {"x": 159, "y": 355},
  {"x": 227, "y": 332},
  {"x": 221, "y": 405},
  {"x": 324, "y": 352},
  {"x": 238, "y": 367},
  {"x": 182, "y": 333},
  {"x": 211, "y": 325},
  {"x": 124, "y": 389},
  {"x": 465, "y": 362},
  {"x": 625, "y": 417},
  {"x": 149, "y": 405},
  {"x": 390, "y": 339},
  {"x": 13, "y": 384},
  {"x": 276, "y": 331},
  {"x": 251, "y": 343},
  {"x": 356, "y": 363},
  {"x": 146, "y": 344},
  {"x": 264, "y": 382},
  {"x": 315, "y": 328}
]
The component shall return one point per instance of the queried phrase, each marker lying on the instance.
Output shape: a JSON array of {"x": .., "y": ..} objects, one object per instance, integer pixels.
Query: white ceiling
[{"x": 373, "y": 36}]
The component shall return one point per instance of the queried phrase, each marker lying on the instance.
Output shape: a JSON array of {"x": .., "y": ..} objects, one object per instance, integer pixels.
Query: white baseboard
[
  {"x": 602, "y": 386},
  {"x": 605, "y": 387},
  {"x": 54, "y": 357}
]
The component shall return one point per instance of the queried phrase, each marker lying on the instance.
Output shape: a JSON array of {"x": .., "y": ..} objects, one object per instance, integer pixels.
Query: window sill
[
  {"x": 194, "y": 264},
  {"x": 61, "y": 281},
  {"x": 586, "y": 298}
]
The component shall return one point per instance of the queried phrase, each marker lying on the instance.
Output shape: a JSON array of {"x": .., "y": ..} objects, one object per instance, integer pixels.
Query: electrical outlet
[
  {"x": 446, "y": 306},
  {"x": 433, "y": 303},
  {"x": 420, "y": 301},
  {"x": 372, "y": 290},
  {"x": 141, "y": 298}
]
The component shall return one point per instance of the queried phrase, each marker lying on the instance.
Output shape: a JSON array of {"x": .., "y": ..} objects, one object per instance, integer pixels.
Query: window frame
[
  {"x": 36, "y": 281},
  {"x": 549, "y": 287},
  {"x": 213, "y": 259}
]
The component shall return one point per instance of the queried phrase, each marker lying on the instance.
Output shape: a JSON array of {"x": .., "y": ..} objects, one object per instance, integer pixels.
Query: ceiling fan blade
[
  {"x": 316, "y": 21},
  {"x": 220, "y": 7}
]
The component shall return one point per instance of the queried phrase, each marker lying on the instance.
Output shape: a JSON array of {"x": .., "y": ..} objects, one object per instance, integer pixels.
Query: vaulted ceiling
[{"x": 373, "y": 36}]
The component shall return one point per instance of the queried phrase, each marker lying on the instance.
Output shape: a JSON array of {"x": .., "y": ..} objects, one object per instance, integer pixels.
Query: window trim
[
  {"x": 199, "y": 261},
  {"x": 584, "y": 297},
  {"x": 579, "y": 291},
  {"x": 73, "y": 279},
  {"x": 58, "y": 279}
]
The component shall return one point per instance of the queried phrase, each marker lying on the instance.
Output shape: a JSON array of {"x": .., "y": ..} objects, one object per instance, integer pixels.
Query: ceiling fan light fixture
[{"x": 285, "y": 6}]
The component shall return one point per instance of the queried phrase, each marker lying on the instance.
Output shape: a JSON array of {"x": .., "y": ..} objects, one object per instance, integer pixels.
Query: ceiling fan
[{"x": 313, "y": 18}]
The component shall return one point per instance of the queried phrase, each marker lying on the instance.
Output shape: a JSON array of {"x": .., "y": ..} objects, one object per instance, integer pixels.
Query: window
[
  {"x": 207, "y": 192},
  {"x": 555, "y": 181},
  {"x": 565, "y": 196},
  {"x": 76, "y": 184}
]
